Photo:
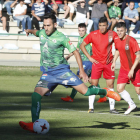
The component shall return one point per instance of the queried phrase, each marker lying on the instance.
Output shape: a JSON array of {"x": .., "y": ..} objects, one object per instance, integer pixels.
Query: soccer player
[
  {"x": 101, "y": 58},
  {"x": 128, "y": 50},
  {"x": 87, "y": 65},
  {"x": 56, "y": 69}
]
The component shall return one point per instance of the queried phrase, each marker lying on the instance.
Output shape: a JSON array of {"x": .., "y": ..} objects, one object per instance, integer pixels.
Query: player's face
[
  {"x": 49, "y": 26},
  {"x": 82, "y": 31},
  {"x": 103, "y": 27},
  {"x": 39, "y": 1},
  {"x": 100, "y": 1},
  {"x": 121, "y": 32}
]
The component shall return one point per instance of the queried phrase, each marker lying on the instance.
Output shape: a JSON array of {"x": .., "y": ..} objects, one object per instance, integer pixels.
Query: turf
[{"x": 68, "y": 121}]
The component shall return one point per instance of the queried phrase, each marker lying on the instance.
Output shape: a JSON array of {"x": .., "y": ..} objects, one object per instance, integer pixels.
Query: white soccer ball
[{"x": 41, "y": 126}]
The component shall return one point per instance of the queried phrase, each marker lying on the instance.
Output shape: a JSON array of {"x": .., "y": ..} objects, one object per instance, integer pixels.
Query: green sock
[
  {"x": 101, "y": 96},
  {"x": 93, "y": 90},
  {"x": 36, "y": 106},
  {"x": 73, "y": 93}
]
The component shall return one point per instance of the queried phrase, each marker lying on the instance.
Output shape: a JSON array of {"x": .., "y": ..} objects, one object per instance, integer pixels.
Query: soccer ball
[{"x": 41, "y": 126}]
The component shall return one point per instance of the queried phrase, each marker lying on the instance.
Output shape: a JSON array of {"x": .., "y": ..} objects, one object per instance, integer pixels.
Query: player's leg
[
  {"x": 126, "y": 96},
  {"x": 138, "y": 92},
  {"x": 121, "y": 83},
  {"x": 110, "y": 85}
]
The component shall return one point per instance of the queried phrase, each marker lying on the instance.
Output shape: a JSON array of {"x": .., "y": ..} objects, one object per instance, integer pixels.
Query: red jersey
[
  {"x": 127, "y": 49},
  {"x": 101, "y": 45}
]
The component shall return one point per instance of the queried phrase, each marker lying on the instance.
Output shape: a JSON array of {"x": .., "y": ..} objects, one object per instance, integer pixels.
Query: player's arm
[
  {"x": 109, "y": 3},
  {"x": 83, "y": 48},
  {"x": 79, "y": 61},
  {"x": 136, "y": 62},
  {"x": 91, "y": 2},
  {"x": 34, "y": 32},
  {"x": 114, "y": 60}
]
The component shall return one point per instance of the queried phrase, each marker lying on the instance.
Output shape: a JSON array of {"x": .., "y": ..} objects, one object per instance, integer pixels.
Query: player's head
[
  {"x": 131, "y": 5},
  {"x": 121, "y": 29},
  {"x": 103, "y": 24},
  {"x": 99, "y": 1},
  {"x": 49, "y": 23},
  {"x": 82, "y": 29},
  {"x": 82, "y": 3},
  {"x": 21, "y": 1},
  {"x": 116, "y": 2}
]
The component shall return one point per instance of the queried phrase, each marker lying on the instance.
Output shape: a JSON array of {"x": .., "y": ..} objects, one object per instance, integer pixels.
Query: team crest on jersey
[
  {"x": 65, "y": 82},
  {"x": 110, "y": 39},
  {"x": 54, "y": 40},
  {"x": 127, "y": 47},
  {"x": 70, "y": 43}
]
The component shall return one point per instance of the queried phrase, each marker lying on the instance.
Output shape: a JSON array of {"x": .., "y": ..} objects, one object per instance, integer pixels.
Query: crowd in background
[{"x": 31, "y": 12}]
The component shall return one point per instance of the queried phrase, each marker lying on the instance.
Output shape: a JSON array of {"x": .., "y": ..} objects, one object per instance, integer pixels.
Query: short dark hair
[
  {"x": 131, "y": 2},
  {"x": 120, "y": 24},
  {"x": 103, "y": 19},
  {"x": 21, "y": 0},
  {"x": 51, "y": 16},
  {"x": 82, "y": 25}
]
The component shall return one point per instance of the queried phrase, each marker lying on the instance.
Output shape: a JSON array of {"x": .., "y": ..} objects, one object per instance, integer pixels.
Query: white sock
[
  {"x": 111, "y": 101},
  {"x": 91, "y": 99},
  {"x": 126, "y": 96},
  {"x": 139, "y": 96}
]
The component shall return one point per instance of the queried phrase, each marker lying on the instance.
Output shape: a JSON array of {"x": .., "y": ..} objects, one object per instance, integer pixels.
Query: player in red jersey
[
  {"x": 102, "y": 57},
  {"x": 128, "y": 50}
]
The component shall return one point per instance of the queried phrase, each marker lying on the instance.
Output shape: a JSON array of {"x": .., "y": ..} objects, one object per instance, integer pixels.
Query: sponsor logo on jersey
[
  {"x": 138, "y": 83},
  {"x": 70, "y": 43},
  {"x": 112, "y": 76},
  {"x": 127, "y": 47},
  {"x": 73, "y": 79},
  {"x": 44, "y": 75},
  {"x": 110, "y": 39},
  {"x": 65, "y": 82},
  {"x": 95, "y": 33}
]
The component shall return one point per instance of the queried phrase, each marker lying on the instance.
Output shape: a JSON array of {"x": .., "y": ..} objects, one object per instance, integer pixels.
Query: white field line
[{"x": 72, "y": 110}]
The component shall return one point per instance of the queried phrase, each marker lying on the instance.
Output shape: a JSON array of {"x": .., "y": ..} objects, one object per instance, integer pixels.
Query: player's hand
[
  {"x": 83, "y": 76},
  {"x": 134, "y": 20},
  {"x": 130, "y": 74},
  {"x": 93, "y": 60},
  {"x": 86, "y": 23},
  {"x": 113, "y": 67},
  {"x": 27, "y": 32},
  {"x": 67, "y": 58}
]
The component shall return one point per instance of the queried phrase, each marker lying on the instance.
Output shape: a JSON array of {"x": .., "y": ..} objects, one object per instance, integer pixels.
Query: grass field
[{"x": 68, "y": 121}]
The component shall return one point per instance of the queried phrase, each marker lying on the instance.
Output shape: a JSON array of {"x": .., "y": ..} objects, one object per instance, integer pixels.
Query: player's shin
[
  {"x": 36, "y": 106},
  {"x": 93, "y": 90},
  {"x": 73, "y": 93}
]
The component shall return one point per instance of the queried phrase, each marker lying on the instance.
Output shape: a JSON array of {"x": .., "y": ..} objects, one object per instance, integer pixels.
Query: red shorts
[
  {"x": 123, "y": 77},
  {"x": 97, "y": 70}
]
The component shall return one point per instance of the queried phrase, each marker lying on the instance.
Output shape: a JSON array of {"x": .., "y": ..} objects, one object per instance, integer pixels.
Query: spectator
[
  {"x": 82, "y": 14},
  {"x": 29, "y": 4},
  {"x": 59, "y": 4},
  {"x": 72, "y": 9},
  {"x": 99, "y": 9},
  {"x": 131, "y": 16},
  {"x": 137, "y": 3},
  {"x": 38, "y": 12},
  {"x": 7, "y": 4},
  {"x": 3, "y": 20},
  {"x": 20, "y": 14},
  {"x": 114, "y": 12}
]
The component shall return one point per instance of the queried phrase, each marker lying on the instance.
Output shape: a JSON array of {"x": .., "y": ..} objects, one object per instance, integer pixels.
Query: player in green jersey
[{"x": 56, "y": 70}]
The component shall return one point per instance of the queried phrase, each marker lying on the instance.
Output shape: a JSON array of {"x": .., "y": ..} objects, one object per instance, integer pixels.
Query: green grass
[{"x": 68, "y": 121}]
